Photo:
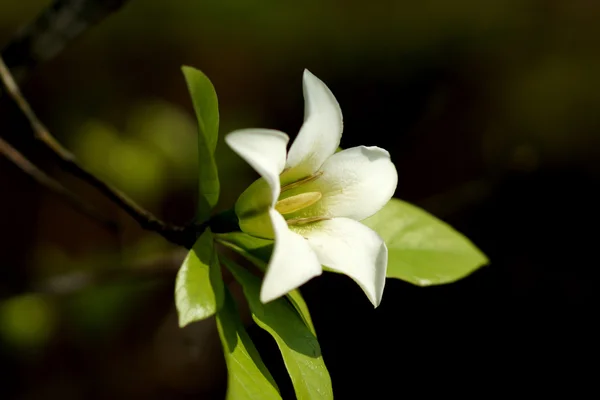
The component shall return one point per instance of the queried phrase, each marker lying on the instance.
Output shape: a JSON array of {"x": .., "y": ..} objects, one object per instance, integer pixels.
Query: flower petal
[
  {"x": 292, "y": 263},
  {"x": 264, "y": 150},
  {"x": 320, "y": 134},
  {"x": 356, "y": 183},
  {"x": 347, "y": 246}
]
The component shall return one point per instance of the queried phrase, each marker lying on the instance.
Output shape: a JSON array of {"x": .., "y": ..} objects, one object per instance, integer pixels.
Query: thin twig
[
  {"x": 54, "y": 186},
  {"x": 165, "y": 266},
  {"x": 150, "y": 268},
  {"x": 66, "y": 160},
  {"x": 58, "y": 25}
]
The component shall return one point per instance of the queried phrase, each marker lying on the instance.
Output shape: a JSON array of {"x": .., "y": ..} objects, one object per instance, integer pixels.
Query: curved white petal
[
  {"x": 347, "y": 246},
  {"x": 320, "y": 134},
  {"x": 264, "y": 150},
  {"x": 292, "y": 263},
  {"x": 356, "y": 183}
]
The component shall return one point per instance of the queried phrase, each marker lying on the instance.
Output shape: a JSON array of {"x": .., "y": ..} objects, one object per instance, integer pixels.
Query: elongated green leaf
[
  {"x": 206, "y": 107},
  {"x": 298, "y": 345},
  {"x": 199, "y": 285},
  {"x": 296, "y": 299},
  {"x": 249, "y": 378},
  {"x": 422, "y": 249},
  {"x": 258, "y": 251}
]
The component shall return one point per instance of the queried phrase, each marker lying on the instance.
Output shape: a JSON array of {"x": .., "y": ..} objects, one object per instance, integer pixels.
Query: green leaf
[
  {"x": 254, "y": 249},
  {"x": 298, "y": 345},
  {"x": 199, "y": 285},
  {"x": 206, "y": 107},
  {"x": 296, "y": 299},
  {"x": 423, "y": 250},
  {"x": 249, "y": 378},
  {"x": 258, "y": 251}
]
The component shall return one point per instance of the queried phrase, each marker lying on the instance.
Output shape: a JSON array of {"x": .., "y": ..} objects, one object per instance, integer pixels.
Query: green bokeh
[{"x": 27, "y": 321}]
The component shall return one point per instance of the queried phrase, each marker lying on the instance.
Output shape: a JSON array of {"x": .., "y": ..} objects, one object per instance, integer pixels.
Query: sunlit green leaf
[
  {"x": 298, "y": 345},
  {"x": 199, "y": 286},
  {"x": 422, "y": 249},
  {"x": 248, "y": 376},
  {"x": 258, "y": 251},
  {"x": 206, "y": 107}
]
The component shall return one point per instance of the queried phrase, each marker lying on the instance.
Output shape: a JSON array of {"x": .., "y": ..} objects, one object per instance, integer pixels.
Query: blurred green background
[{"x": 490, "y": 111}]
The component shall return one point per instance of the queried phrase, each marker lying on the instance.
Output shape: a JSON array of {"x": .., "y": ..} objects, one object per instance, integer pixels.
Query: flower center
[{"x": 297, "y": 202}]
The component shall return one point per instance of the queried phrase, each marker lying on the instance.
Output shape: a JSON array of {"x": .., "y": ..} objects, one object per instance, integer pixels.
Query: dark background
[{"x": 489, "y": 110}]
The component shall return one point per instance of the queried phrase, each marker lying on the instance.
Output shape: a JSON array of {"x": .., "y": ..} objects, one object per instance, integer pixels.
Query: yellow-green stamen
[
  {"x": 301, "y": 181},
  {"x": 302, "y": 221},
  {"x": 297, "y": 202}
]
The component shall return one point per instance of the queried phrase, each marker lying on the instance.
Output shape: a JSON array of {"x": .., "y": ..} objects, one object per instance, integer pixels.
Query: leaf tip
[
  {"x": 186, "y": 68},
  {"x": 183, "y": 320}
]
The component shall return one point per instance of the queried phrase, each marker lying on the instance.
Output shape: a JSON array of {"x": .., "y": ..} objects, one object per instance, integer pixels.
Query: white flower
[{"x": 310, "y": 202}]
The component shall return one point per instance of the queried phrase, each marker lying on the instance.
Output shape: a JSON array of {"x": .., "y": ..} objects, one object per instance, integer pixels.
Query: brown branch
[
  {"x": 66, "y": 160},
  {"x": 54, "y": 186},
  {"x": 58, "y": 25}
]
